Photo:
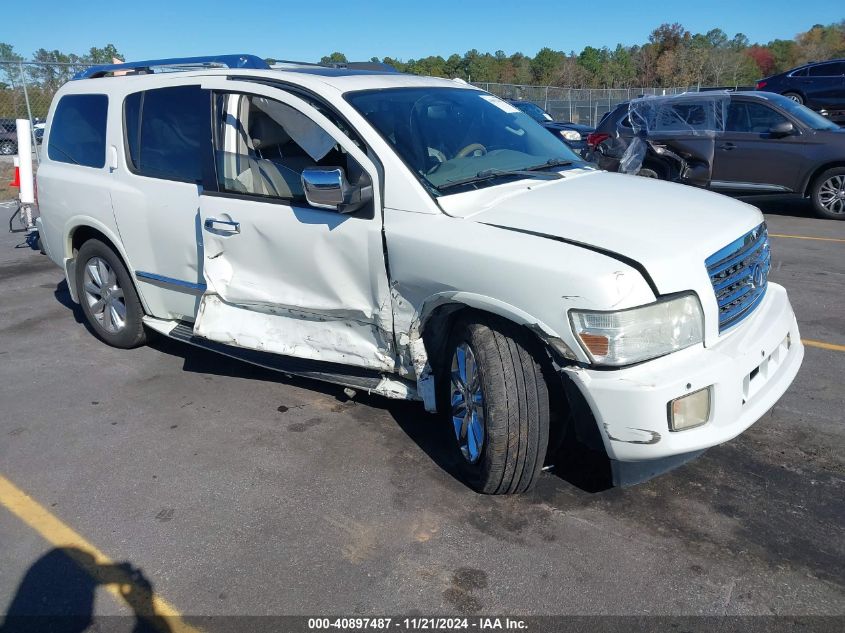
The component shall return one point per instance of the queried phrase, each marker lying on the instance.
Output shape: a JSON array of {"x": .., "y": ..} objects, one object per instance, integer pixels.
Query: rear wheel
[
  {"x": 797, "y": 98},
  {"x": 828, "y": 194},
  {"x": 108, "y": 297},
  {"x": 498, "y": 405},
  {"x": 7, "y": 148}
]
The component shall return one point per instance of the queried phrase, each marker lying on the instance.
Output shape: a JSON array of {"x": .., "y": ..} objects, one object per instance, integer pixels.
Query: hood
[
  {"x": 560, "y": 125},
  {"x": 837, "y": 135},
  {"x": 666, "y": 228}
]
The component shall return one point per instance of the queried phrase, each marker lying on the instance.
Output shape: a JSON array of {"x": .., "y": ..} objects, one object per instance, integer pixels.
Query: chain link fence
[
  {"x": 27, "y": 88},
  {"x": 578, "y": 105}
]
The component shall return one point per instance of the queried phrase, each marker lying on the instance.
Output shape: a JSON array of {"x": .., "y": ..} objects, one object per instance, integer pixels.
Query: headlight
[
  {"x": 570, "y": 135},
  {"x": 637, "y": 334}
]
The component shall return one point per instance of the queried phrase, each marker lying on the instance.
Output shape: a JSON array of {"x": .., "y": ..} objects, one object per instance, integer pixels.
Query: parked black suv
[
  {"x": 820, "y": 86},
  {"x": 740, "y": 143},
  {"x": 573, "y": 134},
  {"x": 8, "y": 137}
]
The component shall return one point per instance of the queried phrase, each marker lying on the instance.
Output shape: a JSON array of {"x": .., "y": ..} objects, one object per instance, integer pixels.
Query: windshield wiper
[
  {"x": 552, "y": 162},
  {"x": 529, "y": 172}
]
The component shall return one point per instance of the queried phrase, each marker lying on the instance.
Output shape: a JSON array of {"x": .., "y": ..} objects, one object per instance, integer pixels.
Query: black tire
[
  {"x": 816, "y": 195},
  {"x": 515, "y": 409},
  {"x": 7, "y": 148},
  {"x": 132, "y": 334},
  {"x": 797, "y": 98}
]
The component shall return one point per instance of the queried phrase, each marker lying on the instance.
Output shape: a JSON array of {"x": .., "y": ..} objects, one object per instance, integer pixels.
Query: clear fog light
[{"x": 690, "y": 410}]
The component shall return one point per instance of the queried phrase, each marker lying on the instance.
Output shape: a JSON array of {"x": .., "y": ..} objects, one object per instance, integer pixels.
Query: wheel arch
[
  {"x": 439, "y": 312},
  {"x": 82, "y": 231},
  {"x": 813, "y": 176},
  {"x": 437, "y": 318},
  {"x": 795, "y": 91}
]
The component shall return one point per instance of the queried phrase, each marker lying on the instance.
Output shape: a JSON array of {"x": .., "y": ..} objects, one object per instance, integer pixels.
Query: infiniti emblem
[{"x": 757, "y": 276}]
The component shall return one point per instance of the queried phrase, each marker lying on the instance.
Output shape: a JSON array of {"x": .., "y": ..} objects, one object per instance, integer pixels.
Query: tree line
[{"x": 673, "y": 56}]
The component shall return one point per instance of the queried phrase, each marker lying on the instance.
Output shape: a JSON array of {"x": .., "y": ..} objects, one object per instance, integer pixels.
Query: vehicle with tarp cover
[{"x": 740, "y": 143}]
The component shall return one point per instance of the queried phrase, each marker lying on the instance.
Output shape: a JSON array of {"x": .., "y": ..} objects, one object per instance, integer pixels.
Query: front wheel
[
  {"x": 828, "y": 194},
  {"x": 7, "y": 148},
  {"x": 498, "y": 405}
]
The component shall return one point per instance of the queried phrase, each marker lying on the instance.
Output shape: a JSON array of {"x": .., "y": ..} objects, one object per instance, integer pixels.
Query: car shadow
[
  {"x": 795, "y": 206},
  {"x": 571, "y": 462},
  {"x": 57, "y": 595},
  {"x": 62, "y": 295}
]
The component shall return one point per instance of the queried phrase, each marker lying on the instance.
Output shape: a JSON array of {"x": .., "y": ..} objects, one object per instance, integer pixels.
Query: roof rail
[
  {"x": 377, "y": 66},
  {"x": 229, "y": 61}
]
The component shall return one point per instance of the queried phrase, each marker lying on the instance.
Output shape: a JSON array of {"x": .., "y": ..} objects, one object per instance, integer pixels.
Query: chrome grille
[{"x": 739, "y": 273}]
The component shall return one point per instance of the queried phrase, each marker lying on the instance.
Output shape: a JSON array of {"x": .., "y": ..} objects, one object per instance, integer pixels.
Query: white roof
[{"x": 316, "y": 78}]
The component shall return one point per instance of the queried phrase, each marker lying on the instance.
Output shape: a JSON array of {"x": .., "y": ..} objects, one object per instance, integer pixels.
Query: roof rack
[
  {"x": 377, "y": 66},
  {"x": 228, "y": 61}
]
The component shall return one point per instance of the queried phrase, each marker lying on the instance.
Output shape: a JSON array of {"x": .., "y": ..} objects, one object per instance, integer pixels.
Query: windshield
[
  {"x": 812, "y": 120},
  {"x": 447, "y": 135},
  {"x": 534, "y": 111}
]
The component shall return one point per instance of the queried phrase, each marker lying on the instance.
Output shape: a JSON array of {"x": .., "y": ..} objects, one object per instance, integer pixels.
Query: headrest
[
  {"x": 265, "y": 132},
  {"x": 384, "y": 121}
]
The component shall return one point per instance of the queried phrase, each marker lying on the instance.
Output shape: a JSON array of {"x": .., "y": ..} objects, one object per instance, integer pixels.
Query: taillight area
[
  {"x": 594, "y": 138},
  {"x": 761, "y": 84}
]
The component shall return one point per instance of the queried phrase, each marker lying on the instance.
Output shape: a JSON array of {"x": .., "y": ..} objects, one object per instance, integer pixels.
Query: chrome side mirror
[{"x": 327, "y": 188}]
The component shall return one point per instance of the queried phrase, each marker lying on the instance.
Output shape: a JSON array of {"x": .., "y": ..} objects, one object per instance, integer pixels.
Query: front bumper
[{"x": 748, "y": 370}]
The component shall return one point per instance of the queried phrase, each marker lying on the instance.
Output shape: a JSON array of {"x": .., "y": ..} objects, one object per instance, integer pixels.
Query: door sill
[
  {"x": 360, "y": 378},
  {"x": 751, "y": 187}
]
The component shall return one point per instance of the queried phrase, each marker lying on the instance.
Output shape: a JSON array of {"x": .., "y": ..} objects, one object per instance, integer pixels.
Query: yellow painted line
[
  {"x": 118, "y": 580},
  {"x": 823, "y": 345},
  {"x": 807, "y": 237}
]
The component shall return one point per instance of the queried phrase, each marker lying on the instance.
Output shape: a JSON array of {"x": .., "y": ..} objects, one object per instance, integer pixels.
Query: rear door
[
  {"x": 283, "y": 276},
  {"x": 157, "y": 179},
  {"x": 827, "y": 85},
  {"x": 749, "y": 158}
]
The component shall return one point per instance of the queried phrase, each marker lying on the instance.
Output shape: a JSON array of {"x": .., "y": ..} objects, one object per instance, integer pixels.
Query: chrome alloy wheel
[
  {"x": 467, "y": 403},
  {"x": 104, "y": 295},
  {"x": 832, "y": 194}
]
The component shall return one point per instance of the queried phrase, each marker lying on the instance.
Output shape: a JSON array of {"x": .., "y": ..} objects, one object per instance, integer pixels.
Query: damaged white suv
[{"x": 416, "y": 238}]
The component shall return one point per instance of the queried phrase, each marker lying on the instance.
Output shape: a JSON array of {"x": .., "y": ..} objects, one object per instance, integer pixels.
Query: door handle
[
  {"x": 222, "y": 226},
  {"x": 727, "y": 146}
]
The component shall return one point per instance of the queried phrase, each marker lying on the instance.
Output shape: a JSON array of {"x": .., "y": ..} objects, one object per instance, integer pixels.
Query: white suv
[{"x": 416, "y": 238}]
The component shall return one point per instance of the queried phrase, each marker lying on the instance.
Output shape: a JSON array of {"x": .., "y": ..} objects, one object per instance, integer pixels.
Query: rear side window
[
  {"x": 78, "y": 131},
  {"x": 833, "y": 69},
  {"x": 167, "y": 131}
]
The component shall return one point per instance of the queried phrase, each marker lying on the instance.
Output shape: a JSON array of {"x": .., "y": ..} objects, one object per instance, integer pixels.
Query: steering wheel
[{"x": 469, "y": 149}]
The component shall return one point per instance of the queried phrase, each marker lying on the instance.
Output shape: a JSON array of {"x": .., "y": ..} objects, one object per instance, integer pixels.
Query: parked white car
[{"x": 416, "y": 238}]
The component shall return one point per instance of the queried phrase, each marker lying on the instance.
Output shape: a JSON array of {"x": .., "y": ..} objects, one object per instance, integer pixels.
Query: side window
[
  {"x": 166, "y": 130},
  {"x": 78, "y": 131},
  {"x": 800, "y": 73},
  {"x": 834, "y": 69},
  {"x": 684, "y": 117},
  {"x": 754, "y": 118},
  {"x": 262, "y": 146}
]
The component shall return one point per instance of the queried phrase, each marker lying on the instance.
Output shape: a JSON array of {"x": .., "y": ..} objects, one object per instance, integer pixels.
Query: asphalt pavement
[{"x": 233, "y": 490}]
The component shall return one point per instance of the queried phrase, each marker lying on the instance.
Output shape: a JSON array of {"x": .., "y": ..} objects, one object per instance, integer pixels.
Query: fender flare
[{"x": 77, "y": 222}]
